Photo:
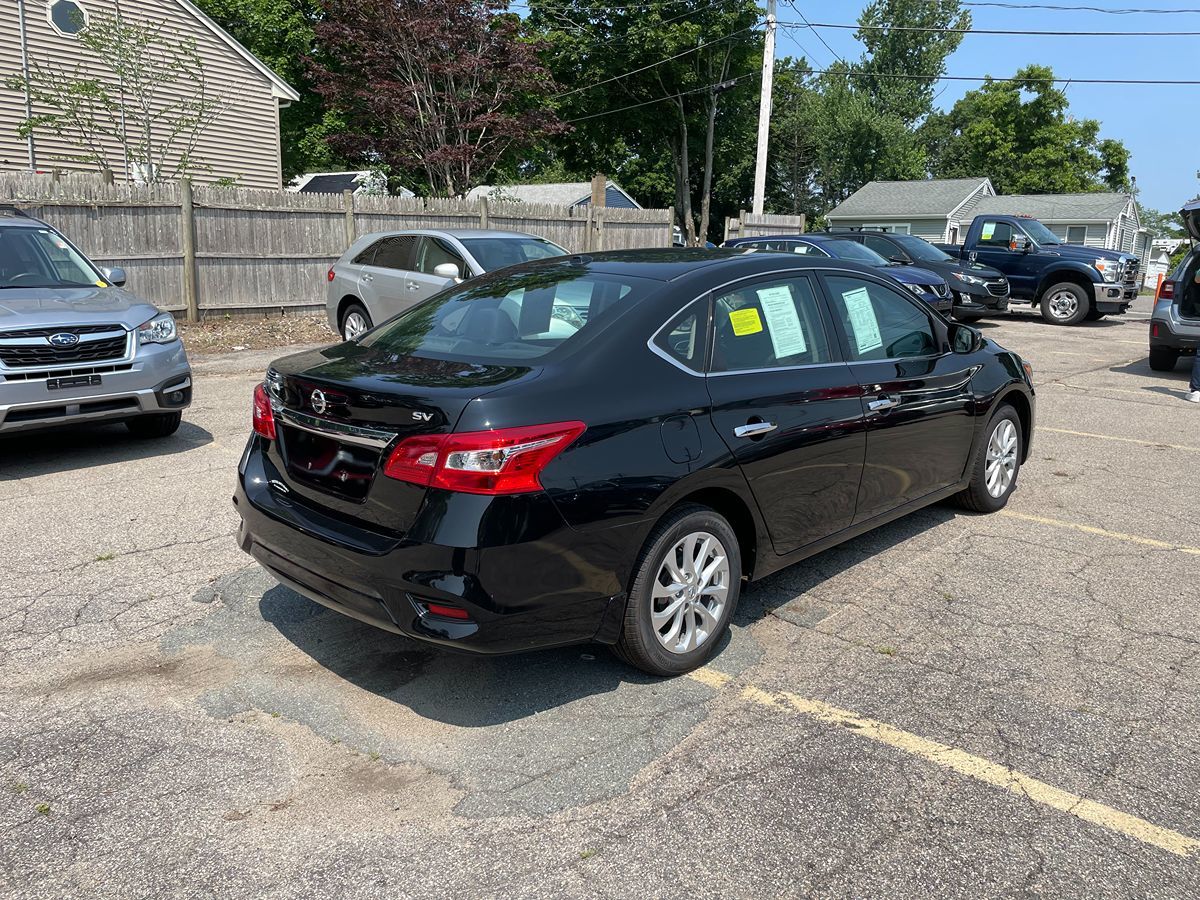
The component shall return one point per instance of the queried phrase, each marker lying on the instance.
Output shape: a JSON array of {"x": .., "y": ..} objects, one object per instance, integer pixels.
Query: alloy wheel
[
  {"x": 1000, "y": 466},
  {"x": 354, "y": 325},
  {"x": 690, "y": 592}
]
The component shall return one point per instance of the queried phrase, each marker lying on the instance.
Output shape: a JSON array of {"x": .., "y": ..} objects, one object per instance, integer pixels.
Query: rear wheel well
[
  {"x": 735, "y": 511},
  {"x": 1068, "y": 276},
  {"x": 344, "y": 304}
]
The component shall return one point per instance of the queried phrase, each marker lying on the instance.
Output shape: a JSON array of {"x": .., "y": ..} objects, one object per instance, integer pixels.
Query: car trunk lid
[
  {"x": 1191, "y": 219},
  {"x": 340, "y": 411}
]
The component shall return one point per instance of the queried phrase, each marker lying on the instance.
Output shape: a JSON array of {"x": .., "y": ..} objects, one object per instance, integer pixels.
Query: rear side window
[
  {"x": 880, "y": 323},
  {"x": 517, "y": 317},
  {"x": 685, "y": 338},
  {"x": 396, "y": 252},
  {"x": 768, "y": 324},
  {"x": 365, "y": 258}
]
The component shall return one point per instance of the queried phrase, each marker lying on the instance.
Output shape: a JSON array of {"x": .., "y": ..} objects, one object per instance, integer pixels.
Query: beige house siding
[{"x": 242, "y": 144}]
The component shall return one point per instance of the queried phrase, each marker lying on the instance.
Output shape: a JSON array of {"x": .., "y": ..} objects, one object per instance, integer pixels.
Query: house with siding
[
  {"x": 941, "y": 210},
  {"x": 242, "y": 144},
  {"x": 566, "y": 193}
]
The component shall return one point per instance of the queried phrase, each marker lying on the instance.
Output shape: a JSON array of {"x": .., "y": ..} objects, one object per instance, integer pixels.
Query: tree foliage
[
  {"x": 1162, "y": 224},
  {"x": 675, "y": 140},
  {"x": 1019, "y": 134},
  {"x": 136, "y": 101},
  {"x": 438, "y": 91}
]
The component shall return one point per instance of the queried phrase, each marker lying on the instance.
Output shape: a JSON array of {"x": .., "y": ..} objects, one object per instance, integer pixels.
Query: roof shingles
[{"x": 938, "y": 198}]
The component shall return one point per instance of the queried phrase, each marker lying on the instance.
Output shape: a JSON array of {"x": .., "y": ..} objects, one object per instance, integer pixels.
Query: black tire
[
  {"x": 639, "y": 644},
  {"x": 354, "y": 309},
  {"x": 158, "y": 425},
  {"x": 976, "y": 496},
  {"x": 1163, "y": 359},
  {"x": 1057, "y": 310}
]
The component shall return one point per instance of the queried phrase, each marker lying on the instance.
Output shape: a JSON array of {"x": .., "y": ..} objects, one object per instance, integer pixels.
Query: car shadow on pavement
[
  {"x": 456, "y": 688},
  {"x": 71, "y": 448},
  {"x": 1035, "y": 318}
]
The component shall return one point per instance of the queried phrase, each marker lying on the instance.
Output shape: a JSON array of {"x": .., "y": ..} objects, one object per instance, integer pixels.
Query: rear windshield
[
  {"x": 496, "y": 253},
  {"x": 521, "y": 316},
  {"x": 39, "y": 257},
  {"x": 844, "y": 249}
]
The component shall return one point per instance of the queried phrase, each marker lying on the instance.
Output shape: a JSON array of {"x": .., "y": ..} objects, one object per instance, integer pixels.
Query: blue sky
[{"x": 1159, "y": 124}]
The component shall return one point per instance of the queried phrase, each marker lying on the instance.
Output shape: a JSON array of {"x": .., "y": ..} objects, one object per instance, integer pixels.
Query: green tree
[
  {"x": 1019, "y": 134},
  {"x": 900, "y": 50},
  {"x": 675, "y": 140},
  {"x": 280, "y": 33},
  {"x": 1162, "y": 224}
]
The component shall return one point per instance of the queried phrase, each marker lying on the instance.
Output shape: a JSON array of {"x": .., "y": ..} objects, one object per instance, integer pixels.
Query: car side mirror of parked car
[
  {"x": 447, "y": 270},
  {"x": 115, "y": 276},
  {"x": 904, "y": 261},
  {"x": 964, "y": 338}
]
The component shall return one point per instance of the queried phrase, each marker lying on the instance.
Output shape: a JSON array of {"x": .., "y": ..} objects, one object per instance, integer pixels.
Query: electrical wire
[
  {"x": 729, "y": 82},
  {"x": 1141, "y": 81},
  {"x": 996, "y": 31}
]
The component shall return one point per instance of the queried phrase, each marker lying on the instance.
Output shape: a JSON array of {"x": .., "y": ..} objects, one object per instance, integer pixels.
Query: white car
[{"x": 385, "y": 273}]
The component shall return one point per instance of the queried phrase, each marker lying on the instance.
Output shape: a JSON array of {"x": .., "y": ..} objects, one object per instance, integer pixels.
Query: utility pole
[
  {"x": 764, "y": 111},
  {"x": 24, "y": 39}
]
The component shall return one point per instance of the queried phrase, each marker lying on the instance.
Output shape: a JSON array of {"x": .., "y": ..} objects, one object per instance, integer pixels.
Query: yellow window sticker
[
  {"x": 745, "y": 321},
  {"x": 989, "y": 231}
]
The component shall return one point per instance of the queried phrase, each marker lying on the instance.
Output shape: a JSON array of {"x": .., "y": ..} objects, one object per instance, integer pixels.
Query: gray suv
[
  {"x": 74, "y": 346},
  {"x": 385, "y": 273},
  {"x": 1175, "y": 322}
]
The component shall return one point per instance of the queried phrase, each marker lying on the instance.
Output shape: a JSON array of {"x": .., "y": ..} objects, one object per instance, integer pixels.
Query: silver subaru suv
[{"x": 74, "y": 346}]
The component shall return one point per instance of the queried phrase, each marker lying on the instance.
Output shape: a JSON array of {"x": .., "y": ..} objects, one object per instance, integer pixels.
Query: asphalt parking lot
[{"x": 955, "y": 705}]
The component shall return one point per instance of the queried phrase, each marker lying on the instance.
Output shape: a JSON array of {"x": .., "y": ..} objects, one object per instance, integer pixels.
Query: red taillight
[
  {"x": 329, "y": 274},
  {"x": 1167, "y": 292},
  {"x": 504, "y": 461},
  {"x": 264, "y": 418},
  {"x": 448, "y": 612}
]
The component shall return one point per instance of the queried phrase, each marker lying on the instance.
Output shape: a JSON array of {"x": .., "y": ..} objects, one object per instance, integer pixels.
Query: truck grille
[
  {"x": 1130, "y": 275},
  {"x": 998, "y": 288},
  {"x": 31, "y": 348}
]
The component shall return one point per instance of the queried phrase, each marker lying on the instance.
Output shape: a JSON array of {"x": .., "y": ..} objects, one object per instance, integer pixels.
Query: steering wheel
[{"x": 16, "y": 279}]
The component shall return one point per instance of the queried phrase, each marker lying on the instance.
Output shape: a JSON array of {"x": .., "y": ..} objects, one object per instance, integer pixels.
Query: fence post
[
  {"x": 598, "y": 218},
  {"x": 187, "y": 236},
  {"x": 483, "y": 212},
  {"x": 670, "y": 227},
  {"x": 587, "y": 231},
  {"x": 351, "y": 231},
  {"x": 803, "y": 223}
]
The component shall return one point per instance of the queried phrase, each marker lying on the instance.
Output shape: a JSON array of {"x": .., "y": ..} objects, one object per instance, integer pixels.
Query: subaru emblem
[
  {"x": 318, "y": 401},
  {"x": 63, "y": 339}
]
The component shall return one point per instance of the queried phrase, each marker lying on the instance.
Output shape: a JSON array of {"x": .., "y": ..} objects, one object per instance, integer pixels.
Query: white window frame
[
  {"x": 1068, "y": 236},
  {"x": 50, "y": 18},
  {"x": 890, "y": 227}
]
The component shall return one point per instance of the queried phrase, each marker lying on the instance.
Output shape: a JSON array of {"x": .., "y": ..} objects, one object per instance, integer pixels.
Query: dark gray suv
[
  {"x": 74, "y": 346},
  {"x": 1175, "y": 322}
]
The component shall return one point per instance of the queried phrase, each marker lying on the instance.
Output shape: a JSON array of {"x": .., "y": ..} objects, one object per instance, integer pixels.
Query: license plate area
[
  {"x": 74, "y": 381},
  {"x": 339, "y": 468}
]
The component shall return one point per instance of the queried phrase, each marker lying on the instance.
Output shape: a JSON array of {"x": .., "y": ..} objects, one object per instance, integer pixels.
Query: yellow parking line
[
  {"x": 1124, "y": 440},
  {"x": 1102, "y": 532},
  {"x": 967, "y": 764}
]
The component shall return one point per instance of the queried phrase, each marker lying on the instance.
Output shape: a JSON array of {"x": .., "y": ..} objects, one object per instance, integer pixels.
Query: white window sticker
[
  {"x": 862, "y": 319},
  {"x": 989, "y": 231},
  {"x": 783, "y": 324}
]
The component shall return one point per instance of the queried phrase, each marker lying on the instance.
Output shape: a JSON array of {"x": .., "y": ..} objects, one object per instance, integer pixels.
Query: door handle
[
  {"x": 366, "y": 276},
  {"x": 754, "y": 429},
  {"x": 413, "y": 286},
  {"x": 884, "y": 403}
]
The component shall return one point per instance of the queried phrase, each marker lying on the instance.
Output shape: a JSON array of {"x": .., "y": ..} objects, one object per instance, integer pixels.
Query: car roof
[
  {"x": 457, "y": 233},
  {"x": 12, "y": 215}
]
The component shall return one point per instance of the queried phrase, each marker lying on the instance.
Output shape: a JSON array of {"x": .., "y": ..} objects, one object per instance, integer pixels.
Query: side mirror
[
  {"x": 903, "y": 260},
  {"x": 446, "y": 270},
  {"x": 964, "y": 339},
  {"x": 1023, "y": 244},
  {"x": 115, "y": 276}
]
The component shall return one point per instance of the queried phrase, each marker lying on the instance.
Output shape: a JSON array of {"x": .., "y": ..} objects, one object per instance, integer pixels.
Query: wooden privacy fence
[
  {"x": 751, "y": 225},
  {"x": 207, "y": 250}
]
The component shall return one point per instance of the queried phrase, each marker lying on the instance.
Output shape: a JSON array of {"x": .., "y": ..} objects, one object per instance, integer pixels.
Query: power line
[
  {"x": 792, "y": 4},
  {"x": 998, "y": 31},
  {"x": 728, "y": 83},
  {"x": 1064, "y": 8},
  {"x": 654, "y": 64},
  {"x": 858, "y": 74}
]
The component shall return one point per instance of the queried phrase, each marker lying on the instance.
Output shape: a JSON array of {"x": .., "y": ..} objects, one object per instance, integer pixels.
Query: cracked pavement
[{"x": 173, "y": 723}]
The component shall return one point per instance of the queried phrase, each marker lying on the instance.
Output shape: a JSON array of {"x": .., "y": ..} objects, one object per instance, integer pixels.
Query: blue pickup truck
[{"x": 1069, "y": 282}]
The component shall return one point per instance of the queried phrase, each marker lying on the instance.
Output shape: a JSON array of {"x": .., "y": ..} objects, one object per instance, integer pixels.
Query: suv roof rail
[{"x": 11, "y": 209}]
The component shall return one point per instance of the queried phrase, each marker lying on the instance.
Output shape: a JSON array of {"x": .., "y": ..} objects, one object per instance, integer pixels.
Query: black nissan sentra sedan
[{"x": 604, "y": 448}]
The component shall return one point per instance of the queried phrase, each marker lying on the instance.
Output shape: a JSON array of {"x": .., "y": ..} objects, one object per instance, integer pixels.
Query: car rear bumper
[
  {"x": 158, "y": 379},
  {"x": 1174, "y": 335},
  {"x": 550, "y": 590}
]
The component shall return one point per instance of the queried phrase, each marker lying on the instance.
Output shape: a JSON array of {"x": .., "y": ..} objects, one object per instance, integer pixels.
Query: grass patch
[
  {"x": 886, "y": 650},
  {"x": 106, "y": 557},
  {"x": 43, "y": 809}
]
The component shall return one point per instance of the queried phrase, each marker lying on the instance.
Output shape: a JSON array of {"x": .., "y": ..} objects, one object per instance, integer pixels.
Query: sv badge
[{"x": 423, "y": 416}]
